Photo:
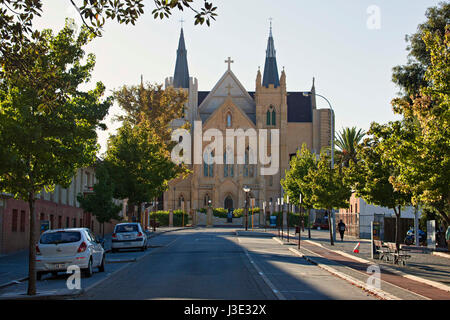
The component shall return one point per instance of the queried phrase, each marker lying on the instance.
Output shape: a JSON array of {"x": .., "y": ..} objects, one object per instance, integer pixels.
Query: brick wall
[{"x": 17, "y": 238}]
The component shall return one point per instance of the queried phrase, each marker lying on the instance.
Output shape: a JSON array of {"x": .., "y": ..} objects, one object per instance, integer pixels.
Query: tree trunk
[
  {"x": 330, "y": 228},
  {"x": 130, "y": 211},
  {"x": 32, "y": 250},
  {"x": 139, "y": 212},
  {"x": 397, "y": 227}
]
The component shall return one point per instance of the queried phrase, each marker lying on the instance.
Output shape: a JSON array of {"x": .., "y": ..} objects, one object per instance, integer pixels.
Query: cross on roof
[
  {"x": 181, "y": 21},
  {"x": 229, "y": 61},
  {"x": 229, "y": 87}
]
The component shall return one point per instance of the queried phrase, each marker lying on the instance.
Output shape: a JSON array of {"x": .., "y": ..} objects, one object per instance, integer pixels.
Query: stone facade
[{"x": 230, "y": 106}]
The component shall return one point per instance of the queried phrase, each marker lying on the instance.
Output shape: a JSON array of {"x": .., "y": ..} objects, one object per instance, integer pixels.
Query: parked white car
[
  {"x": 128, "y": 235},
  {"x": 60, "y": 248}
]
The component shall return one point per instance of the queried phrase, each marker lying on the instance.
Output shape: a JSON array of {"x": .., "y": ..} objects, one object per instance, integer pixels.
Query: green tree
[
  {"x": 293, "y": 184},
  {"x": 16, "y": 16},
  {"x": 346, "y": 142},
  {"x": 47, "y": 124},
  {"x": 411, "y": 77},
  {"x": 139, "y": 164},
  {"x": 420, "y": 145},
  {"x": 371, "y": 176},
  {"x": 328, "y": 187},
  {"x": 100, "y": 203}
]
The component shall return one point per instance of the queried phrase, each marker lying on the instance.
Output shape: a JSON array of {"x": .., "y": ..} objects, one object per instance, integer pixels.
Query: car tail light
[
  {"x": 82, "y": 247},
  {"x": 139, "y": 234},
  {"x": 38, "y": 252},
  {"x": 114, "y": 235}
]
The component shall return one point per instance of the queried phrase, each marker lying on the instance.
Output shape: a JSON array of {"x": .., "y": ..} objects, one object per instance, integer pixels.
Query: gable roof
[{"x": 208, "y": 102}]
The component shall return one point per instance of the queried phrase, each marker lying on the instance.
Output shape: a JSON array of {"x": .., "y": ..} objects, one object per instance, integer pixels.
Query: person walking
[{"x": 341, "y": 228}]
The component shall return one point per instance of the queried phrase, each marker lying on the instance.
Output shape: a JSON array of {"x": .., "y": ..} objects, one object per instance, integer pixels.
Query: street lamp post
[
  {"x": 155, "y": 204},
  {"x": 332, "y": 133},
  {"x": 299, "y": 221},
  {"x": 287, "y": 215},
  {"x": 246, "y": 190}
]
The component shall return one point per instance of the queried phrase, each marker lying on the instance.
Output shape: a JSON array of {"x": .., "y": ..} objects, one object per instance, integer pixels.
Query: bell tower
[{"x": 271, "y": 109}]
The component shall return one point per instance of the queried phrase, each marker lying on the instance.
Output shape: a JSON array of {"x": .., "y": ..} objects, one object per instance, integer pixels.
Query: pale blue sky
[{"x": 326, "y": 39}]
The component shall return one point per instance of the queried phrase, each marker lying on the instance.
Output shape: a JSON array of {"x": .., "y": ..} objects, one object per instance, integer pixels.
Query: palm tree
[{"x": 346, "y": 142}]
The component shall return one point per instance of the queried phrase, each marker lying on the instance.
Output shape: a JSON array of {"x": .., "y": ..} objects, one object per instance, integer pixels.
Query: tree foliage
[
  {"x": 139, "y": 163},
  {"x": 347, "y": 141},
  {"x": 293, "y": 184},
  {"x": 47, "y": 124},
  {"x": 411, "y": 77},
  {"x": 100, "y": 203},
  {"x": 154, "y": 105},
  {"x": 420, "y": 145}
]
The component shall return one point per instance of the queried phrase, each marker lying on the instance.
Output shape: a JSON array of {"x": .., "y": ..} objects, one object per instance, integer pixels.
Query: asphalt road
[{"x": 218, "y": 264}]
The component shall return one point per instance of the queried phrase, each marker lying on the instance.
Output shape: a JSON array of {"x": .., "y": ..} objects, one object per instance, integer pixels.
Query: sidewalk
[
  {"x": 14, "y": 267},
  {"x": 397, "y": 280}
]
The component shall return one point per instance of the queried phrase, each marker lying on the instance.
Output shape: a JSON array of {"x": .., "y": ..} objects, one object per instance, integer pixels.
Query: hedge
[{"x": 162, "y": 217}]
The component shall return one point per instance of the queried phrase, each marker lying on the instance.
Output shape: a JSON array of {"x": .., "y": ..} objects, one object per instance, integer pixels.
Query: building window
[
  {"x": 74, "y": 223},
  {"x": 274, "y": 114},
  {"x": 81, "y": 223},
  {"x": 208, "y": 166},
  {"x": 59, "y": 222},
  {"x": 42, "y": 217},
  {"x": 14, "y": 221},
  {"x": 248, "y": 168},
  {"x": 229, "y": 123},
  {"x": 22, "y": 221},
  {"x": 356, "y": 208},
  {"x": 52, "y": 226},
  {"x": 228, "y": 169},
  {"x": 67, "y": 222},
  {"x": 268, "y": 118}
]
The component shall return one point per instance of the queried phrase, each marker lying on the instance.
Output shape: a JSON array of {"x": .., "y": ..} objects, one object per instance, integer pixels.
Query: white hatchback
[
  {"x": 60, "y": 248},
  {"x": 127, "y": 236}
]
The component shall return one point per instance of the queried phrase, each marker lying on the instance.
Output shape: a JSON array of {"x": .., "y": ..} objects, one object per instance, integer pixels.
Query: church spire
[
  {"x": 270, "y": 67},
  {"x": 181, "y": 75}
]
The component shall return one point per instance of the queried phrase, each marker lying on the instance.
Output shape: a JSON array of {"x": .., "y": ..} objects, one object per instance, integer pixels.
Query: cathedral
[{"x": 228, "y": 105}]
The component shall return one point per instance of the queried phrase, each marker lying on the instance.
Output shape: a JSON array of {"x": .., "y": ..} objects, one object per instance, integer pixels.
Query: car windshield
[
  {"x": 60, "y": 237},
  {"x": 127, "y": 228}
]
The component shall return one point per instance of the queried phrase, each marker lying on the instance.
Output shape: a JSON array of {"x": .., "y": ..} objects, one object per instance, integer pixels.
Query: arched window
[
  {"x": 229, "y": 122},
  {"x": 180, "y": 201},
  {"x": 208, "y": 164},
  {"x": 228, "y": 169},
  {"x": 246, "y": 163},
  {"x": 274, "y": 114},
  {"x": 268, "y": 118}
]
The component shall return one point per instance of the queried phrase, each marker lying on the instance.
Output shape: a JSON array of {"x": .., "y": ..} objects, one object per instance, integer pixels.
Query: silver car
[
  {"x": 129, "y": 235},
  {"x": 60, "y": 248}
]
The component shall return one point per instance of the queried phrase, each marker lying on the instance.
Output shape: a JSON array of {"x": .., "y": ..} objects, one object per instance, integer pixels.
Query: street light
[
  {"x": 246, "y": 190},
  {"x": 287, "y": 202},
  {"x": 306, "y": 94}
]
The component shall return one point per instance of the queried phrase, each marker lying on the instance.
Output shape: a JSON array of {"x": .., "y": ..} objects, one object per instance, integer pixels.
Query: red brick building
[{"x": 60, "y": 208}]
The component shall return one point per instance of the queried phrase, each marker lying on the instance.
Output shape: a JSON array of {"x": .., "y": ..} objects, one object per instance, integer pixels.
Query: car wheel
[
  {"x": 88, "y": 271},
  {"x": 101, "y": 268}
]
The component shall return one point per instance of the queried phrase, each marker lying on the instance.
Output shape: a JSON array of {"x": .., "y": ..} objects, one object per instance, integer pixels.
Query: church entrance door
[{"x": 228, "y": 203}]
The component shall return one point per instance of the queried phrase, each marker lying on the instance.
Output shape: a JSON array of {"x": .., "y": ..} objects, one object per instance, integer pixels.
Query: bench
[
  {"x": 398, "y": 256},
  {"x": 382, "y": 250}
]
